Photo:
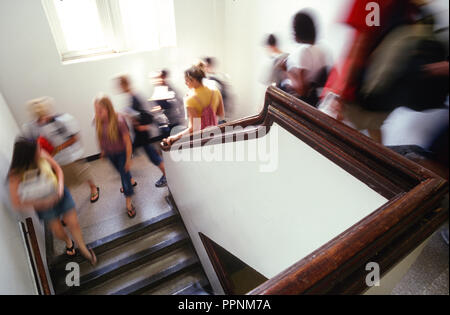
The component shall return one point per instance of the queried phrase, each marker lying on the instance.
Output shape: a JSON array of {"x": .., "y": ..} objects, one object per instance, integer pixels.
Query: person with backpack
[
  {"x": 141, "y": 126},
  {"x": 203, "y": 104},
  {"x": 358, "y": 84},
  {"x": 36, "y": 180},
  {"x": 307, "y": 67}
]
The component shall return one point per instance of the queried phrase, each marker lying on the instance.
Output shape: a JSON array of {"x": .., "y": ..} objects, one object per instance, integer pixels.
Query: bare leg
[
  {"x": 72, "y": 224},
  {"x": 162, "y": 168},
  {"x": 376, "y": 135},
  {"x": 59, "y": 232},
  {"x": 93, "y": 187}
]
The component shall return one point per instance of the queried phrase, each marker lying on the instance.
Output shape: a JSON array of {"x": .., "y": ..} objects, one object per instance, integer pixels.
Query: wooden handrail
[
  {"x": 37, "y": 257},
  {"x": 414, "y": 194}
]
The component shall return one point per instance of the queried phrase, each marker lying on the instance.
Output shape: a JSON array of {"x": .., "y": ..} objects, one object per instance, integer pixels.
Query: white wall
[
  {"x": 269, "y": 220},
  {"x": 15, "y": 273},
  {"x": 31, "y": 66}
]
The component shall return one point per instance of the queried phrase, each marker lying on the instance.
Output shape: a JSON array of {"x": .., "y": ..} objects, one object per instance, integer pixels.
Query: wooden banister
[
  {"x": 413, "y": 211},
  {"x": 42, "y": 275}
]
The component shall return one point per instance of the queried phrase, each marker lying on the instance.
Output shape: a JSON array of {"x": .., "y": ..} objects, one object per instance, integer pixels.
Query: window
[{"x": 84, "y": 28}]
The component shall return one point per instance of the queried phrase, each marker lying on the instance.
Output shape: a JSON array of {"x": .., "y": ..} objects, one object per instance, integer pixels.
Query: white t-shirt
[
  {"x": 57, "y": 132},
  {"x": 312, "y": 58}
]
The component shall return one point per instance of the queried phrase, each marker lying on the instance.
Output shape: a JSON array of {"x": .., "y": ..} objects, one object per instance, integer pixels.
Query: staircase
[{"x": 152, "y": 258}]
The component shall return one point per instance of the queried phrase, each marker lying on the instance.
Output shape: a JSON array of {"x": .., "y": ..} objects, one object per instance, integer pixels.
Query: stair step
[
  {"x": 119, "y": 238},
  {"x": 149, "y": 274},
  {"x": 197, "y": 288},
  {"x": 179, "y": 283},
  {"x": 138, "y": 255}
]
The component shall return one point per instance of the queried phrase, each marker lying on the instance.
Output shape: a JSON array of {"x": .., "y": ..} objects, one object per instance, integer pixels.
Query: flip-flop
[
  {"x": 134, "y": 185},
  {"x": 71, "y": 249},
  {"x": 131, "y": 212},
  {"x": 93, "y": 195}
]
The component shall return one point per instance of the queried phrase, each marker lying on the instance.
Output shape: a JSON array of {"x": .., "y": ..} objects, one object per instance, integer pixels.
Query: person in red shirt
[{"x": 345, "y": 79}]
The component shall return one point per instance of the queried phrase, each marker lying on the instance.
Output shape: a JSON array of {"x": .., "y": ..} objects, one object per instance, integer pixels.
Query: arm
[
  {"x": 18, "y": 204},
  {"x": 191, "y": 115},
  {"x": 58, "y": 171},
  {"x": 66, "y": 144}
]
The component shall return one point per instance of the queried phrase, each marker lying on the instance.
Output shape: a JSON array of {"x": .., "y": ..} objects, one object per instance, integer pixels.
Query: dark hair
[
  {"x": 210, "y": 61},
  {"x": 195, "y": 72},
  {"x": 271, "y": 40},
  {"x": 164, "y": 73},
  {"x": 304, "y": 28},
  {"x": 24, "y": 155}
]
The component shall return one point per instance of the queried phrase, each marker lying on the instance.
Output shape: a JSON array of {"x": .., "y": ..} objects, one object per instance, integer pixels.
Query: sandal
[
  {"x": 134, "y": 185},
  {"x": 131, "y": 212},
  {"x": 95, "y": 194},
  {"x": 71, "y": 249}
]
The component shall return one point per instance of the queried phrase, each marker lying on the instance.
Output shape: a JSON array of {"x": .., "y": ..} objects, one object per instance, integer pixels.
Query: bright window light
[
  {"x": 84, "y": 28},
  {"x": 80, "y": 24}
]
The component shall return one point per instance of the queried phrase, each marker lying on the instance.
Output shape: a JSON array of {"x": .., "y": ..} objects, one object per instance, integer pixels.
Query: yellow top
[
  {"x": 46, "y": 169},
  {"x": 203, "y": 94}
]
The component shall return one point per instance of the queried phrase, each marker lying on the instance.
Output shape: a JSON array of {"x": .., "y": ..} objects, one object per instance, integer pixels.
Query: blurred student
[
  {"x": 168, "y": 98},
  {"x": 307, "y": 67},
  {"x": 275, "y": 75},
  {"x": 213, "y": 78},
  {"x": 115, "y": 144},
  {"x": 59, "y": 134},
  {"x": 141, "y": 125},
  {"x": 36, "y": 180},
  {"x": 347, "y": 78},
  {"x": 203, "y": 104}
]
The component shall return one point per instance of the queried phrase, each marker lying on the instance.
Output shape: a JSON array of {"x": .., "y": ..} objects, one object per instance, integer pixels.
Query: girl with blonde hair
[{"x": 115, "y": 143}]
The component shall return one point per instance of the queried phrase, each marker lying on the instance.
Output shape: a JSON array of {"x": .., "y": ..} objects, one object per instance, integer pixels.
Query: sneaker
[{"x": 162, "y": 182}]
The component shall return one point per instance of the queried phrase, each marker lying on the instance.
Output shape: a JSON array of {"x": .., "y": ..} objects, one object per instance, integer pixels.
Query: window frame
[{"x": 112, "y": 25}]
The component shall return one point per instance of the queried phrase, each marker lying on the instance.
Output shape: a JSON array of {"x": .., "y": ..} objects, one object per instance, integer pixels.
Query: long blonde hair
[{"x": 113, "y": 129}]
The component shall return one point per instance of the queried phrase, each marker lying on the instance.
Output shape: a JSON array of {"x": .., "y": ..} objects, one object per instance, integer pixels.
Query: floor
[
  {"x": 108, "y": 215},
  {"x": 430, "y": 272}
]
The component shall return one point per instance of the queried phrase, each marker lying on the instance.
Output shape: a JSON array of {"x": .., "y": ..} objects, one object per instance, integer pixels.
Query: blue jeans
[
  {"x": 118, "y": 161},
  {"x": 152, "y": 154}
]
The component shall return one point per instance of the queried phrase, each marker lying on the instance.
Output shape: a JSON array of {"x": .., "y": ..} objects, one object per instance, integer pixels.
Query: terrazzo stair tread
[
  {"x": 117, "y": 239},
  {"x": 171, "y": 232},
  {"x": 134, "y": 260},
  {"x": 179, "y": 283},
  {"x": 194, "y": 289},
  {"x": 159, "y": 269}
]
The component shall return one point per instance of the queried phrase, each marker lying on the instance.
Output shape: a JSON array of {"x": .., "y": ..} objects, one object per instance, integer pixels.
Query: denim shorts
[{"x": 62, "y": 207}]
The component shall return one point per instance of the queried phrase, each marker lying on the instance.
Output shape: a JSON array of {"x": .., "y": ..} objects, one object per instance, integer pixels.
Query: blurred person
[
  {"x": 36, "y": 180},
  {"x": 59, "y": 134},
  {"x": 202, "y": 104},
  {"x": 218, "y": 80},
  {"x": 115, "y": 144},
  {"x": 141, "y": 125},
  {"x": 167, "y": 97},
  {"x": 307, "y": 67},
  {"x": 276, "y": 75},
  {"x": 345, "y": 80}
]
